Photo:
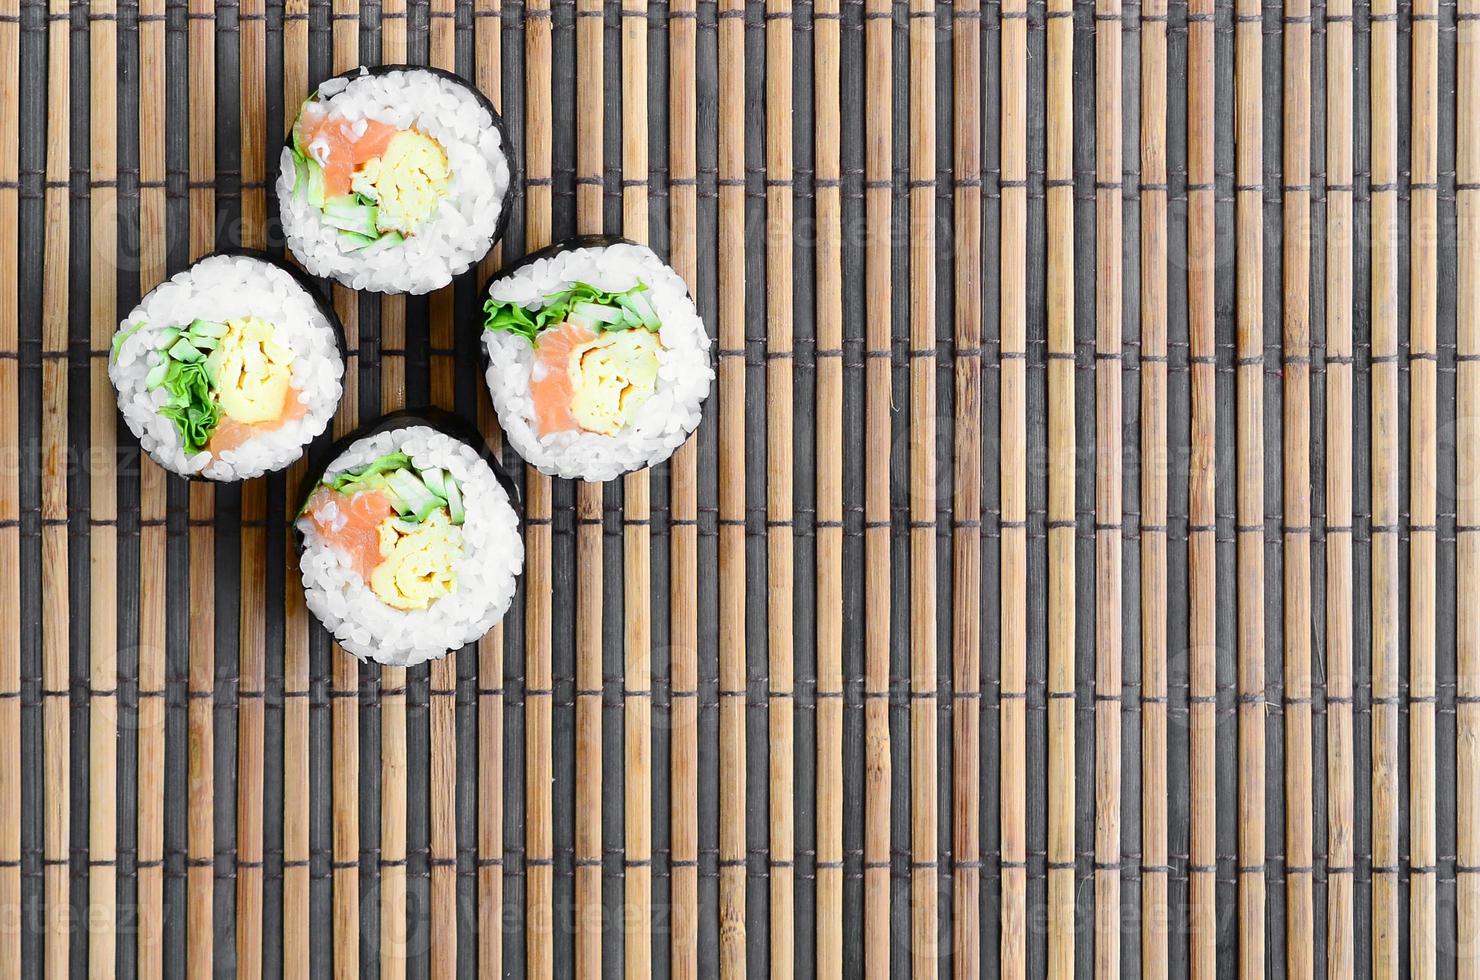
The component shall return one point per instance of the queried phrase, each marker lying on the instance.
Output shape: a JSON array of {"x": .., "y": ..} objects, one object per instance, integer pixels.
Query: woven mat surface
[{"x": 1065, "y": 578}]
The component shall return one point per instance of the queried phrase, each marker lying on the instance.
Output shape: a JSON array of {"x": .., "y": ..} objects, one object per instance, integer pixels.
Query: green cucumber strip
[
  {"x": 638, "y": 303},
  {"x": 207, "y": 328},
  {"x": 454, "y": 500},
  {"x": 300, "y": 176},
  {"x": 346, "y": 215},
  {"x": 124, "y": 335},
  {"x": 406, "y": 485},
  {"x": 598, "y": 312},
  {"x": 156, "y": 375},
  {"x": 354, "y": 242},
  {"x": 168, "y": 336},
  {"x": 315, "y": 188},
  {"x": 184, "y": 350},
  {"x": 435, "y": 480}
]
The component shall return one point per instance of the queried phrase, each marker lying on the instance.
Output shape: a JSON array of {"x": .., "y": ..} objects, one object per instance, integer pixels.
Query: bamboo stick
[
  {"x": 1423, "y": 518},
  {"x": 1062, "y": 452},
  {"x": 1299, "y": 779},
  {"x": 538, "y": 806},
  {"x": 1340, "y": 757},
  {"x": 200, "y": 873},
  {"x": 488, "y": 62},
  {"x": 780, "y": 570},
  {"x": 828, "y": 198},
  {"x": 590, "y": 165},
  {"x": 10, "y": 504},
  {"x": 56, "y": 608},
  {"x": 152, "y": 532},
  {"x": 1384, "y": 940},
  {"x": 344, "y": 703},
  {"x": 1467, "y": 503},
  {"x": 878, "y": 218},
  {"x": 732, "y": 673},
  {"x": 102, "y": 845},
  {"x": 1249, "y": 480},
  {"x": 966, "y": 535},
  {"x": 442, "y": 694},
  {"x": 1013, "y": 520},
  {"x": 1202, "y": 677},
  {"x": 393, "y": 308},
  {"x": 637, "y": 694},
  {"x": 924, "y": 846},
  {"x": 1109, "y": 479},
  {"x": 1155, "y": 915},
  {"x": 295, "y": 618},
  {"x": 251, "y": 629},
  {"x": 683, "y": 504},
  {"x": 393, "y": 921}
]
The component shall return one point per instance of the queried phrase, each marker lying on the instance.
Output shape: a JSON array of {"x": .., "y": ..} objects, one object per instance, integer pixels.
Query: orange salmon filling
[
  {"x": 359, "y": 537},
  {"x": 343, "y": 152},
  {"x": 552, "y": 392},
  {"x": 231, "y": 434}
]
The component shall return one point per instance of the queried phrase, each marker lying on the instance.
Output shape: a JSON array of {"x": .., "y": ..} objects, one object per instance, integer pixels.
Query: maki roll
[
  {"x": 410, "y": 542},
  {"x": 597, "y": 360},
  {"x": 229, "y": 369},
  {"x": 394, "y": 179}
]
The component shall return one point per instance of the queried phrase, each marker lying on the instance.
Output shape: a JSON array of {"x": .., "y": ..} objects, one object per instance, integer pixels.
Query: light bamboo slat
[
  {"x": 1109, "y": 479},
  {"x": 152, "y": 534},
  {"x": 1383, "y": 941},
  {"x": 1062, "y": 463},
  {"x": 589, "y": 919},
  {"x": 296, "y": 792},
  {"x": 637, "y": 685},
  {"x": 488, "y": 75},
  {"x": 1155, "y": 911},
  {"x": 731, "y": 408},
  {"x": 442, "y": 692},
  {"x": 1340, "y": 749},
  {"x": 10, "y": 627},
  {"x": 966, "y": 597},
  {"x": 56, "y": 601},
  {"x": 539, "y": 852},
  {"x": 1423, "y": 432},
  {"x": 683, "y": 504},
  {"x": 878, "y": 218},
  {"x": 344, "y": 701},
  {"x": 1249, "y": 478},
  {"x": 102, "y": 754},
  {"x": 828, "y": 196},
  {"x": 924, "y": 806},
  {"x": 252, "y": 625},
  {"x": 780, "y": 569},
  {"x": 200, "y": 847},
  {"x": 1202, "y": 656},
  {"x": 1467, "y": 504},
  {"x": 1013, "y": 520},
  {"x": 1299, "y": 781}
]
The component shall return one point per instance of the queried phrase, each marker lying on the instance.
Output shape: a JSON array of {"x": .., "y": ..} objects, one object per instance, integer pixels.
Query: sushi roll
[
  {"x": 227, "y": 370},
  {"x": 410, "y": 544},
  {"x": 394, "y": 179},
  {"x": 597, "y": 360}
]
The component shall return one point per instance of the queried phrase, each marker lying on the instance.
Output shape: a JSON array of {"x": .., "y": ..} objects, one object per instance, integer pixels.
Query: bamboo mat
[{"x": 1065, "y": 579}]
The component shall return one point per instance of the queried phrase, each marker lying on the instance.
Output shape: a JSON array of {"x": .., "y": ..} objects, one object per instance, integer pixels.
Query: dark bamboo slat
[{"x": 10, "y": 503}]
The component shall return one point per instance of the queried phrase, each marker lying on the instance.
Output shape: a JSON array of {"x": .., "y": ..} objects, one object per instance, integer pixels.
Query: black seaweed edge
[
  {"x": 555, "y": 248},
  {"x": 516, "y": 174},
  {"x": 305, "y": 282},
  {"x": 441, "y": 420}
]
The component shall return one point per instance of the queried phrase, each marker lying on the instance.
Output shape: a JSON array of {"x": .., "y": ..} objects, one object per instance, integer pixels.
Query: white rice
[
  {"x": 220, "y": 288},
  {"x": 492, "y": 557},
  {"x": 661, "y": 424},
  {"x": 461, "y": 232}
]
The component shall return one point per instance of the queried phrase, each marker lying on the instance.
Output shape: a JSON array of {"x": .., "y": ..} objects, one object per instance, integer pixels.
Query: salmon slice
[
  {"x": 552, "y": 392},
  {"x": 359, "y": 535},
  {"x": 231, "y": 434},
  {"x": 345, "y": 150}
]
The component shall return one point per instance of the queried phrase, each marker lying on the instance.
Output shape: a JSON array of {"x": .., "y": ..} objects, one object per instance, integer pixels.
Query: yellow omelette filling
[
  {"x": 611, "y": 377},
  {"x": 416, "y": 561},
  {"x": 251, "y": 370},
  {"x": 407, "y": 181}
]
